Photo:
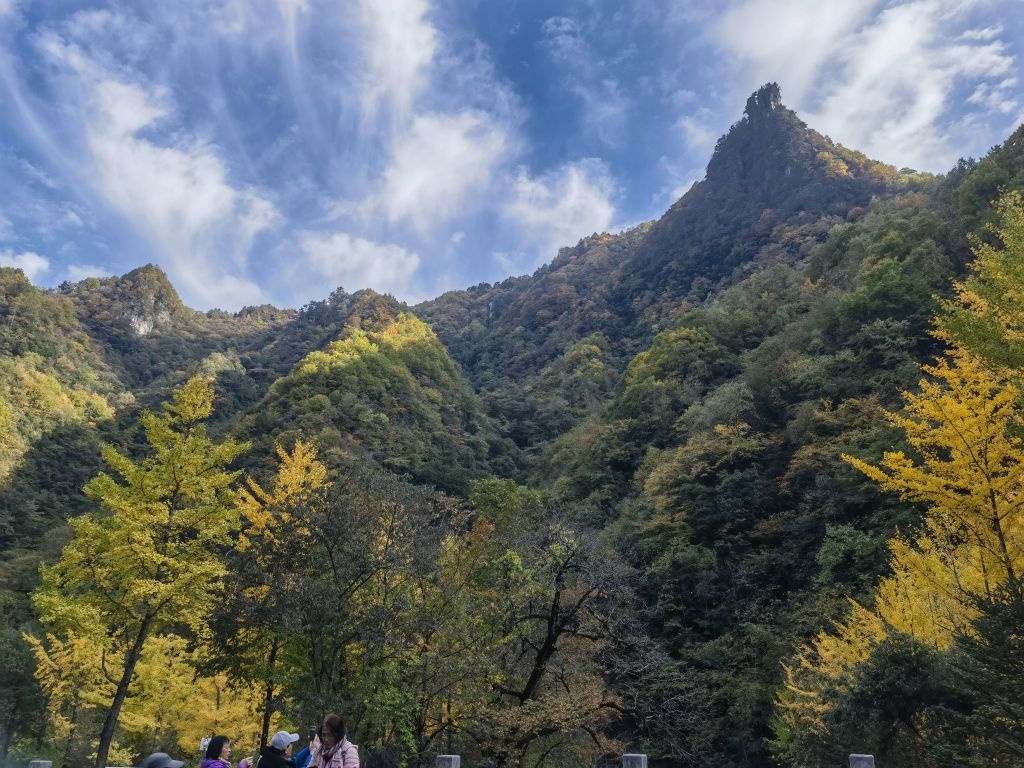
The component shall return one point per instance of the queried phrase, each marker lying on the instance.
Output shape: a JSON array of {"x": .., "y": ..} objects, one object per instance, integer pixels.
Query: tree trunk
[
  {"x": 110, "y": 724},
  {"x": 8, "y": 737},
  {"x": 268, "y": 701}
]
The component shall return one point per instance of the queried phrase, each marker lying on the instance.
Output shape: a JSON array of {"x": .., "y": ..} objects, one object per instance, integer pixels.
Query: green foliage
[
  {"x": 895, "y": 677},
  {"x": 678, "y": 395},
  {"x": 720, "y": 456},
  {"x": 386, "y": 391},
  {"x": 986, "y": 316}
]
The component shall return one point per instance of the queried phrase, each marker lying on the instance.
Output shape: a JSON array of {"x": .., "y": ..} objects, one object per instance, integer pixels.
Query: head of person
[
  {"x": 161, "y": 760},
  {"x": 332, "y": 731},
  {"x": 219, "y": 746},
  {"x": 283, "y": 741}
]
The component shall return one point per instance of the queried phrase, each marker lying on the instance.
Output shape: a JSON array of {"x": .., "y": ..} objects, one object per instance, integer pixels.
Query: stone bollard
[
  {"x": 447, "y": 761},
  {"x": 41, "y": 764},
  {"x": 862, "y": 761},
  {"x": 634, "y": 761}
]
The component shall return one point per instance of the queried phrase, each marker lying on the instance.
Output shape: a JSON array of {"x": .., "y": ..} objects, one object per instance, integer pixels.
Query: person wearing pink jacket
[{"x": 334, "y": 749}]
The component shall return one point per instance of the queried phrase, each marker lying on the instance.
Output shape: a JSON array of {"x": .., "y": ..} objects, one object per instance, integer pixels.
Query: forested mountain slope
[
  {"x": 773, "y": 189},
  {"x": 681, "y": 394},
  {"x": 772, "y": 185}
]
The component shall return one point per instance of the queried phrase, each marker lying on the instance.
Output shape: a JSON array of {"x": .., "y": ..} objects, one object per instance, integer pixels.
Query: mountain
[
  {"x": 773, "y": 189},
  {"x": 385, "y": 392},
  {"x": 145, "y": 334},
  {"x": 684, "y": 389},
  {"x": 772, "y": 185}
]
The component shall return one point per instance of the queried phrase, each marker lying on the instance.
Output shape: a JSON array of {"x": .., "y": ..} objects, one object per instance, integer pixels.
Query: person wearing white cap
[{"x": 278, "y": 753}]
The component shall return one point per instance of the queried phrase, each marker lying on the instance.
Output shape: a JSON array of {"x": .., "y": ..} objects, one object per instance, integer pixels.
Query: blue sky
[{"x": 270, "y": 151}]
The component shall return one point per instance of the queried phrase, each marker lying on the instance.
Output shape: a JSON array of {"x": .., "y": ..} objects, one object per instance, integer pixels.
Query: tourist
[
  {"x": 278, "y": 753},
  {"x": 334, "y": 749},
  {"x": 218, "y": 753},
  {"x": 161, "y": 760}
]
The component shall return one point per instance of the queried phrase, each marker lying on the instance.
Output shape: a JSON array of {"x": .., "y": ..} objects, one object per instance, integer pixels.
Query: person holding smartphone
[{"x": 302, "y": 758}]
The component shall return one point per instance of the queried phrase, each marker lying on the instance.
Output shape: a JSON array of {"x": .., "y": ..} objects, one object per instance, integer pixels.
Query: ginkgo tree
[
  {"x": 965, "y": 467},
  {"x": 149, "y": 558},
  {"x": 986, "y": 314},
  {"x": 262, "y": 595}
]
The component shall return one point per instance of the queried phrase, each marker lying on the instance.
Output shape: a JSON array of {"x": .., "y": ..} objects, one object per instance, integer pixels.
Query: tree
[
  {"x": 967, "y": 468},
  {"x": 989, "y": 663},
  {"x": 987, "y": 313},
  {"x": 265, "y": 582},
  {"x": 149, "y": 558},
  {"x": 964, "y": 426},
  {"x": 558, "y": 606}
]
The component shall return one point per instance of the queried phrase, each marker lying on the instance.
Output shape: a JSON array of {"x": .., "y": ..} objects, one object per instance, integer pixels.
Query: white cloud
[
  {"x": 699, "y": 131},
  {"x": 176, "y": 195},
  {"x": 399, "y": 44},
  {"x": 340, "y": 259},
  {"x": 790, "y": 40},
  {"x": 880, "y": 82},
  {"x": 997, "y": 97},
  {"x": 8, "y": 7},
  {"x": 29, "y": 262},
  {"x": 899, "y": 78},
  {"x": 78, "y": 272},
  {"x": 984, "y": 33},
  {"x": 513, "y": 263},
  {"x": 681, "y": 189},
  {"x": 560, "y": 207},
  {"x": 436, "y": 166}
]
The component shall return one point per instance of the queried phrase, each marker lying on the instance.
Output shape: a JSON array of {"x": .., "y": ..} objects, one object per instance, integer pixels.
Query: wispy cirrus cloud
[
  {"x": 261, "y": 149},
  {"x": 398, "y": 46},
  {"x": 605, "y": 101}
]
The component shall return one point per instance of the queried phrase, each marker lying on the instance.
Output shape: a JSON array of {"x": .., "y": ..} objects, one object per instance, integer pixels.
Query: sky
[{"x": 270, "y": 151}]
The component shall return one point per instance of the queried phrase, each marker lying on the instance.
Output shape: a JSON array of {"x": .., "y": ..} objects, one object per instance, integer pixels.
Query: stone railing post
[
  {"x": 447, "y": 761},
  {"x": 634, "y": 761},
  {"x": 862, "y": 761}
]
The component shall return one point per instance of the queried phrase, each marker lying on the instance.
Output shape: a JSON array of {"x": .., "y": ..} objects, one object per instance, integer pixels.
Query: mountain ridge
[{"x": 693, "y": 414}]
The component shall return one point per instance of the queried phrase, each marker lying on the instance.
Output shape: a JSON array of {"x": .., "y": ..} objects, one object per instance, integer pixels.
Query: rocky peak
[
  {"x": 148, "y": 298},
  {"x": 764, "y": 100},
  {"x": 769, "y": 170},
  {"x": 142, "y": 300}
]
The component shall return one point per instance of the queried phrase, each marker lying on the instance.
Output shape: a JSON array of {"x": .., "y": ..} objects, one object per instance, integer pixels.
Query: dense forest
[{"x": 738, "y": 487}]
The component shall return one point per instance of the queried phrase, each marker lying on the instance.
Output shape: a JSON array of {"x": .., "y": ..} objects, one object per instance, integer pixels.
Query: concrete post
[
  {"x": 447, "y": 761},
  {"x": 862, "y": 761},
  {"x": 634, "y": 761}
]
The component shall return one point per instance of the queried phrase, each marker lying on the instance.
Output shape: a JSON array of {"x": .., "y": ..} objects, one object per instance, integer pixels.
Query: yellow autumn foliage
[
  {"x": 300, "y": 480},
  {"x": 967, "y": 467},
  {"x": 171, "y": 705}
]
